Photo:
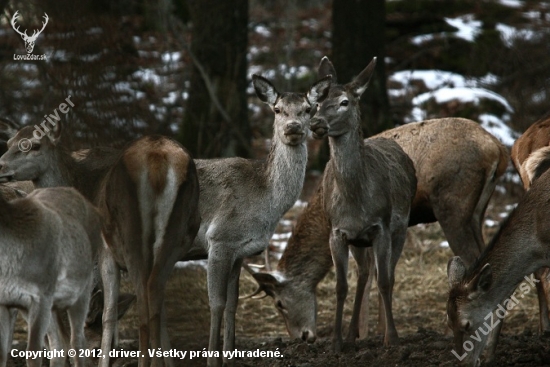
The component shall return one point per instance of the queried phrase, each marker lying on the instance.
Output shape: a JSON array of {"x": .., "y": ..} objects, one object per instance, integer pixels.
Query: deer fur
[
  {"x": 529, "y": 157},
  {"x": 149, "y": 202},
  {"x": 520, "y": 247},
  {"x": 107, "y": 176},
  {"x": 368, "y": 188},
  {"x": 242, "y": 201},
  {"x": 48, "y": 269},
  {"x": 476, "y": 161}
]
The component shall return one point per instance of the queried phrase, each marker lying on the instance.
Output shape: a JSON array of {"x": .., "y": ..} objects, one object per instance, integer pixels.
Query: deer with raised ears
[
  {"x": 528, "y": 156},
  {"x": 148, "y": 197},
  {"x": 476, "y": 161},
  {"x": 242, "y": 201},
  {"x": 482, "y": 294},
  {"x": 29, "y": 40},
  {"x": 48, "y": 269},
  {"x": 149, "y": 202},
  {"x": 368, "y": 188}
]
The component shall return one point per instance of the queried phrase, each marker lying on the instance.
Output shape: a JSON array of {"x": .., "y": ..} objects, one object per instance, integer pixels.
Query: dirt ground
[{"x": 419, "y": 308}]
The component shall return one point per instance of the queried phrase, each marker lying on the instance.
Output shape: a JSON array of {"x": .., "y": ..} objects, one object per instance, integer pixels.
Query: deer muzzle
[{"x": 319, "y": 128}]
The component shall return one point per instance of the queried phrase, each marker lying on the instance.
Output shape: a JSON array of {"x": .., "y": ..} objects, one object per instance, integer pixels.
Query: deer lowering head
[{"x": 29, "y": 40}]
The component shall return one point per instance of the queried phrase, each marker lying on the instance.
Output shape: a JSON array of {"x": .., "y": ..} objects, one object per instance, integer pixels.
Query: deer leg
[
  {"x": 364, "y": 315},
  {"x": 387, "y": 251},
  {"x": 164, "y": 262},
  {"x": 110, "y": 277},
  {"x": 77, "y": 318},
  {"x": 219, "y": 269},
  {"x": 340, "y": 256},
  {"x": 360, "y": 256},
  {"x": 543, "y": 292},
  {"x": 39, "y": 316},
  {"x": 231, "y": 310},
  {"x": 56, "y": 339},
  {"x": 7, "y": 323}
]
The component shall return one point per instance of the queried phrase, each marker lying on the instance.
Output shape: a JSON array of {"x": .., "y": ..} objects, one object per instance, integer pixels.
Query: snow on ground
[
  {"x": 467, "y": 29},
  {"x": 462, "y": 94}
]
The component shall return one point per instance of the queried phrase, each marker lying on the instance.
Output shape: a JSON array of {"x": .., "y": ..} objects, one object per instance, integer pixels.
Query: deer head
[{"x": 29, "y": 40}]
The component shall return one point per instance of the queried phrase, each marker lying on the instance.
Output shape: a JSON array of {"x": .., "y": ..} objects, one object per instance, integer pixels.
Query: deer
[
  {"x": 147, "y": 194},
  {"x": 368, "y": 188},
  {"x": 534, "y": 143},
  {"x": 50, "y": 240},
  {"x": 476, "y": 161},
  {"x": 482, "y": 160},
  {"x": 242, "y": 201},
  {"x": 149, "y": 201},
  {"x": 29, "y": 40},
  {"x": 486, "y": 289}
]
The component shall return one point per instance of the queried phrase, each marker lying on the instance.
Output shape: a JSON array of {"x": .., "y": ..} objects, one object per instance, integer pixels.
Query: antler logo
[{"x": 29, "y": 40}]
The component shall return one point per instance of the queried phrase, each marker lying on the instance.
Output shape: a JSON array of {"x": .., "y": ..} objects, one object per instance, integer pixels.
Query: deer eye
[
  {"x": 279, "y": 305},
  {"x": 467, "y": 326},
  {"x": 35, "y": 146},
  {"x": 308, "y": 110},
  {"x": 277, "y": 110},
  {"x": 345, "y": 102}
]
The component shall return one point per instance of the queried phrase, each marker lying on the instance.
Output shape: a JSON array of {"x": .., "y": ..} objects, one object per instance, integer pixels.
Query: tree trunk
[
  {"x": 358, "y": 36},
  {"x": 219, "y": 47}
]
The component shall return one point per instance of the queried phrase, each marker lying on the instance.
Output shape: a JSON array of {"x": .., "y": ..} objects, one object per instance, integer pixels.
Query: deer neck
[
  {"x": 346, "y": 154},
  {"x": 512, "y": 257},
  {"x": 60, "y": 172},
  {"x": 285, "y": 174}
]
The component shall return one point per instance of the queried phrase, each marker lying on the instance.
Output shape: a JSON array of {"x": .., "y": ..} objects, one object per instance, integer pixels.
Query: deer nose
[
  {"x": 319, "y": 127},
  {"x": 308, "y": 336},
  {"x": 293, "y": 128}
]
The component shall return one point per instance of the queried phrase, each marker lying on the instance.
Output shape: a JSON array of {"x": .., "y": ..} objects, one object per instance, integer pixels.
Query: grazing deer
[
  {"x": 534, "y": 144},
  {"x": 486, "y": 289},
  {"x": 242, "y": 201},
  {"x": 156, "y": 178},
  {"x": 368, "y": 188},
  {"x": 149, "y": 202},
  {"x": 49, "y": 243},
  {"x": 476, "y": 161}
]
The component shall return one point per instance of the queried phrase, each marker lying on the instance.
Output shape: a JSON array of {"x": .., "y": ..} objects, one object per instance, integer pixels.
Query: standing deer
[
  {"x": 242, "y": 201},
  {"x": 520, "y": 247},
  {"x": 149, "y": 202},
  {"x": 477, "y": 159},
  {"x": 147, "y": 195},
  {"x": 368, "y": 188},
  {"x": 535, "y": 143},
  {"x": 49, "y": 241}
]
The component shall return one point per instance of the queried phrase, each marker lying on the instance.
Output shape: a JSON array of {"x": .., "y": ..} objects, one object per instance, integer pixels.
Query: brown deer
[
  {"x": 242, "y": 201},
  {"x": 147, "y": 195},
  {"x": 49, "y": 244},
  {"x": 476, "y": 161},
  {"x": 367, "y": 188},
  {"x": 483, "y": 293},
  {"x": 534, "y": 143}
]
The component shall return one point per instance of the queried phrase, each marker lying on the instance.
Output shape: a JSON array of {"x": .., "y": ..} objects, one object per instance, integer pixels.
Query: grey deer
[
  {"x": 483, "y": 293},
  {"x": 242, "y": 201},
  {"x": 146, "y": 249},
  {"x": 476, "y": 161},
  {"x": 49, "y": 244},
  {"x": 368, "y": 188}
]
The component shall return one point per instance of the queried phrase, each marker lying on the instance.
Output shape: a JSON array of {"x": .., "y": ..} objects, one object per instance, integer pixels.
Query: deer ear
[
  {"x": 482, "y": 281},
  {"x": 265, "y": 90},
  {"x": 268, "y": 282},
  {"x": 326, "y": 68},
  {"x": 361, "y": 81},
  {"x": 55, "y": 133},
  {"x": 455, "y": 271},
  {"x": 319, "y": 91}
]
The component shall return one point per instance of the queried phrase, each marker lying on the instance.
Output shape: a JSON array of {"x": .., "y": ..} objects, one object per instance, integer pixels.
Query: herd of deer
[{"x": 143, "y": 208}]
